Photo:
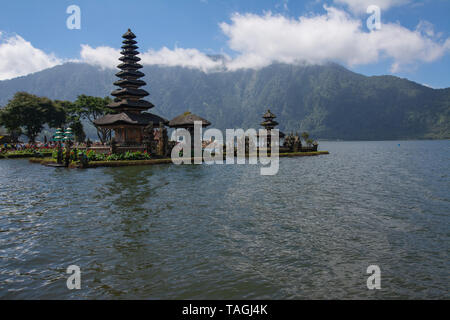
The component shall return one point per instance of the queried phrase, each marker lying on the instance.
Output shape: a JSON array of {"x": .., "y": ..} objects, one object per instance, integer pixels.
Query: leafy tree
[
  {"x": 11, "y": 125},
  {"x": 69, "y": 108},
  {"x": 92, "y": 108},
  {"x": 73, "y": 119},
  {"x": 78, "y": 131},
  {"x": 29, "y": 113}
]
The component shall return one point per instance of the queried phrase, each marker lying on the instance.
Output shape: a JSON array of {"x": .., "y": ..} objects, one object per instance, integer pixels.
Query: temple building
[
  {"x": 186, "y": 121},
  {"x": 269, "y": 123},
  {"x": 128, "y": 119}
]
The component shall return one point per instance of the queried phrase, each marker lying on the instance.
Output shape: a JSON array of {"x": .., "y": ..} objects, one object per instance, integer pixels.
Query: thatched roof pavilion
[
  {"x": 186, "y": 120},
  {"x": 129, "y": 118}
]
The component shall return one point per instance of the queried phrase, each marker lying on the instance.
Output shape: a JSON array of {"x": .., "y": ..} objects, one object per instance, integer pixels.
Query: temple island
[{"x": 131, "y": 128}]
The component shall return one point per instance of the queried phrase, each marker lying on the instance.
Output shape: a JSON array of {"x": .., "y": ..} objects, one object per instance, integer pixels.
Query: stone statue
[
  {"x": 67, "y": 156},
  {"x": 84, "y": 160},
  {"x": 162, "y": 142},
  {"x": 165, "y": 140},
  {"x": 60, "y": 153},
  {"x": 149, "y": 138},
  {"x": 289, "y": 141},
  {"x": 113, "y": 146},
  {"x": 297, "y": 144}
]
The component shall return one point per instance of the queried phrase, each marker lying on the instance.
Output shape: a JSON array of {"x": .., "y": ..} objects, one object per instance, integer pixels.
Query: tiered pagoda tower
[
  {"x": 269, "y": 124},
  {"x": 128, "y": 119}
]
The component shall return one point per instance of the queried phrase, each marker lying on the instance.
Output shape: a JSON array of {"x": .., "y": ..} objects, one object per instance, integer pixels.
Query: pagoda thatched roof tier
[
  {"x": 269, "y": 123},
  {"x": 129, "y": 58},
  {"x": 129, "y": 52},
  {"x": 131, "y": 104},
  {"x": 129, "y": 35},
  {"x": 130, "y": 46},
  {"x": 126, "y": 83},
  {"x": 130, "y": 118},
  {"x": 129, "y": 92},
  {"x": 129, "y": 41},
  {"x": 129, "y": 66},
  {"x": 129, "y": 74},
  {"x": 281, "y": 135},
  {"x": 186, "y": 120},
  {"x": 269, "y": 115}
]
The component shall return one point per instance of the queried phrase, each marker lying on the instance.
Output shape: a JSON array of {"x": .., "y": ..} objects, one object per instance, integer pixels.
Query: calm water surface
[{"x": 225, "y": 232}]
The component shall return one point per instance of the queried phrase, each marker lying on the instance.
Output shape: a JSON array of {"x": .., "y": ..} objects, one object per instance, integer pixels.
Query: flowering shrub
[
  {"x": 93, "y": 156},
  {"x": 25, "y": 153},
  {"x": 73, "y": 155},
  {"x": 129, "y": 156},
  {"x": 29, "y": 151}
]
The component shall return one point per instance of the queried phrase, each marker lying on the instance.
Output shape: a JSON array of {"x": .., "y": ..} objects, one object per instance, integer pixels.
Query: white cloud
[
  {"x": 18, "y": 57},
  {"x": 360, "y": 6},
  {"x": 106, "y": 57},
  {"x": 333, "y": 36},
  {"x": 259, "y": 40},
  {"x": 189, "y": 58}
]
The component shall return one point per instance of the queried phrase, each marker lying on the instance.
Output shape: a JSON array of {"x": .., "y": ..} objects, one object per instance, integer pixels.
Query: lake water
[{"x": 226, "y": 232}]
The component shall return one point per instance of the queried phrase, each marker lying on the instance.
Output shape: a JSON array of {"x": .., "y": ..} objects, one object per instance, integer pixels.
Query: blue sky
[{"x": 413, "y": 41}]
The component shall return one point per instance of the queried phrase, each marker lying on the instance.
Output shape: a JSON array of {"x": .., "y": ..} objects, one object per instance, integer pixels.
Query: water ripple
[{"x": 225, "y": 232}]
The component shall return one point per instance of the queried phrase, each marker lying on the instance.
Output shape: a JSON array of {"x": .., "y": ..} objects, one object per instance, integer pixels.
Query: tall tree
[
  {"x": 91, "y": 108},
  {"x": 30, "y": 113},
  {"x": 78, "y": 131},
  {"x": 73, "y": 119},
  {"x": 11, "y": 124}
]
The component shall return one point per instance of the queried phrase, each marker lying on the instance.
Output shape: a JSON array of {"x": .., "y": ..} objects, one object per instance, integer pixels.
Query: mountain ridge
[{"x": 329, "y": 101}]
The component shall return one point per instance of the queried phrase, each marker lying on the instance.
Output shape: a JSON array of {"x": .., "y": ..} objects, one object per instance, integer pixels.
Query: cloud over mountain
[
  {"x": 333, "y": 36},
  {"x": 259, "y": 40},
  {"x": 18, "y": 57}
]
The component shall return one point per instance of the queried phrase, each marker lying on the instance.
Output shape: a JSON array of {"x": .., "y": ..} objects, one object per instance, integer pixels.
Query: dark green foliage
[
  {"x": 91, "y": 108},
  {"x": 78, "y": 131},
  {"x": 94, "y": 156},
  {"x": 29, "y": 113},
  {"x": 305, "y": 136},
  {"x": 328, "y": 101}
]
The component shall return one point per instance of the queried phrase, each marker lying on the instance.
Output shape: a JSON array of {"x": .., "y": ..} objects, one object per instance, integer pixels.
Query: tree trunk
[{"x": 104, "y": 135}]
